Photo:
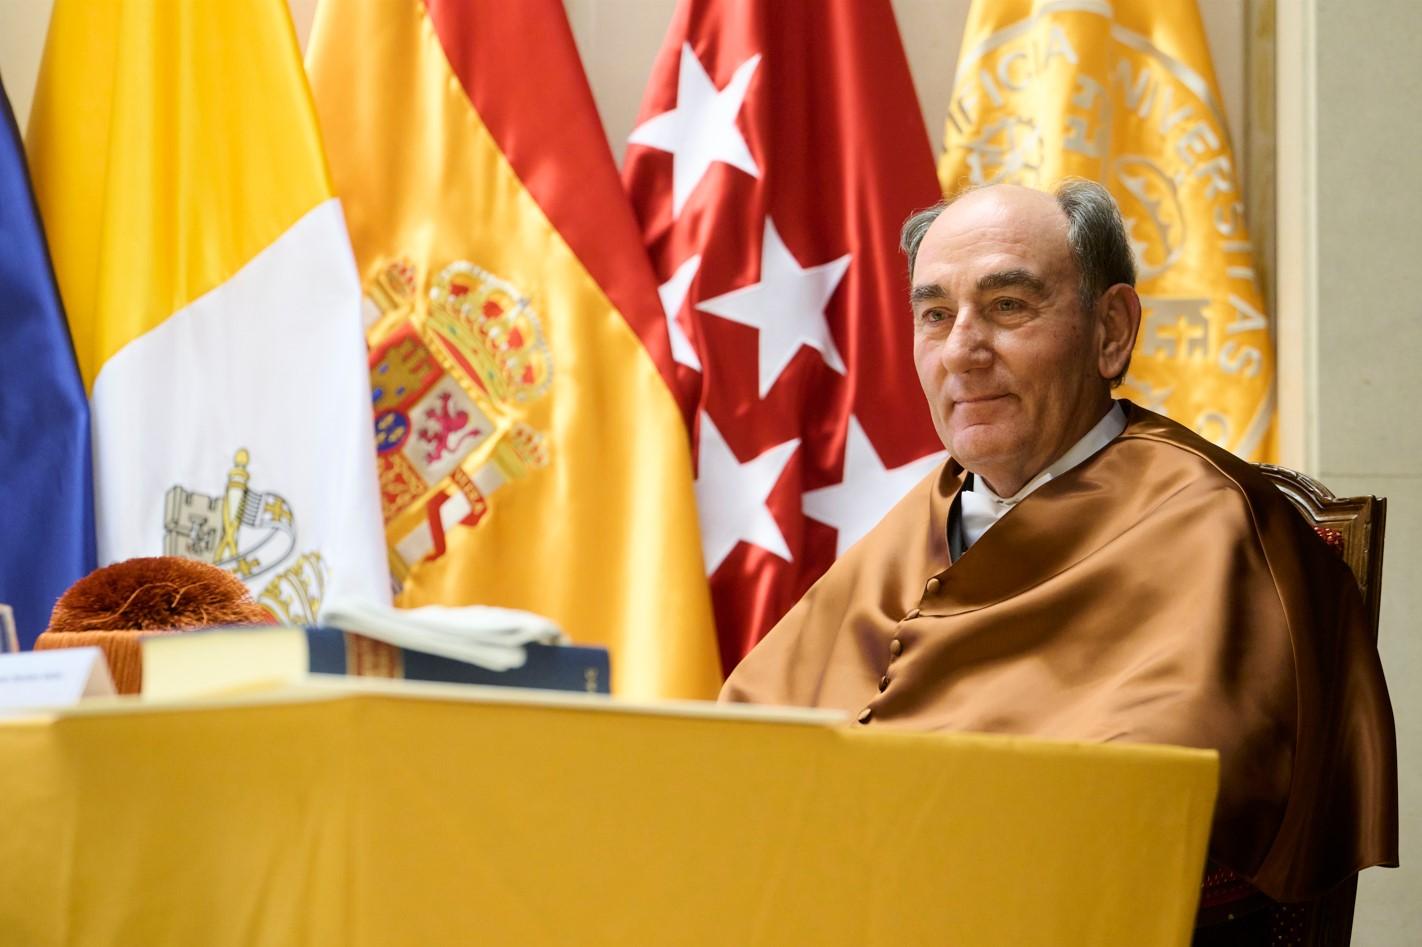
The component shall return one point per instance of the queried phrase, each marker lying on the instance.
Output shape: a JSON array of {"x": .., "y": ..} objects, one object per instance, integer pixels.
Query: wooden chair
[{"x": 1353, "y": 526}]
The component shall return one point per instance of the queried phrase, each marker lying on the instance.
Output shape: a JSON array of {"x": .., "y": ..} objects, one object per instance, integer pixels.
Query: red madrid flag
[{"x": 779, "y": 149}]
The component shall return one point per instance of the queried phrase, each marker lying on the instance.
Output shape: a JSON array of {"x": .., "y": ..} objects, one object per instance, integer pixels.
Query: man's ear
[{"x": 1119, "y": 318}]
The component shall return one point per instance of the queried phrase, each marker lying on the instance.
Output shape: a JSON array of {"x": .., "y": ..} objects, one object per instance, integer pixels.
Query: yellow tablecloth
[{"x": 390, "y": 813}]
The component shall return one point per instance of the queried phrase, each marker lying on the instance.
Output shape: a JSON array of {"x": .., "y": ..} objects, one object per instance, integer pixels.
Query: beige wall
[
  {"x": 1350, "y": 200},
  {"x": 1350, "y": 319},
  {"x": 22, "y": 28}
]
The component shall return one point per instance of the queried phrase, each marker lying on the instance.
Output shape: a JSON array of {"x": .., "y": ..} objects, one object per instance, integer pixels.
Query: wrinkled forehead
[{"x": 997, "y": 227}]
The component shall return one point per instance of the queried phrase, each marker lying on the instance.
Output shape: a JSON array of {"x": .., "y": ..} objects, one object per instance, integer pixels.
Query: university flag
[
  {"x": 47, "y": 518},
  {"x": 779, "y": 149},
  {"x": 530, "y": 453},
  {"x": 1124, "y": 93},
  {"x": 211, "y": 295}
]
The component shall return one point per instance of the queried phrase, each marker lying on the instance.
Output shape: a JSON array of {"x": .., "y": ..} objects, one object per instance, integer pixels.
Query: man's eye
[
  {"x": 934, "y": 316},
  {"x": 1006, "y": 304}
]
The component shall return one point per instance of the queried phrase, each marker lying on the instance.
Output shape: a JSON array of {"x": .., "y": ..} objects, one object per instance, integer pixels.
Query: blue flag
[{"x": 46, "y": 488}]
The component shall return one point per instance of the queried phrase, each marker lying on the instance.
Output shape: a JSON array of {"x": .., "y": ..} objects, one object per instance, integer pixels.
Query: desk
[{"x": 375, "y": 813}]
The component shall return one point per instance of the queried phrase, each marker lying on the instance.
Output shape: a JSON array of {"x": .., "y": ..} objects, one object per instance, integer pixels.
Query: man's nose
[{"x": 969, "y": 343}]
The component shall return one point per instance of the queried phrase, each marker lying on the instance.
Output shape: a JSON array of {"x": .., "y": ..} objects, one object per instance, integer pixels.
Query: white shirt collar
[
  {"x": 1112, "y": 423},
  {"x": 981, "y": 507}
]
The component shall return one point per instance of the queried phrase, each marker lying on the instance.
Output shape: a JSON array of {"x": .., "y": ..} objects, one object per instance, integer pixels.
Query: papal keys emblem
[{"x": 251, "y": 534}]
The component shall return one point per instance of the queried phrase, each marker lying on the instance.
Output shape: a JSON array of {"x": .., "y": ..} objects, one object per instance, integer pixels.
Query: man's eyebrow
[
  {"x": 1015, "y": 277},
  {"x": 927, "y": 292}
]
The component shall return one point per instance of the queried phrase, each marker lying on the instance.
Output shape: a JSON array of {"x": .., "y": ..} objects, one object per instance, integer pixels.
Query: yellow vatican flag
[
  {"x": 530, "y": 453},
  {"x": 1124, "y": 93},
  {"x": 212, "y": 296}
]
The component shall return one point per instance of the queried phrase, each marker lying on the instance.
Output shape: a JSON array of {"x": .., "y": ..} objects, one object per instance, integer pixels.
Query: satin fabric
[
  {"x": 980, "y": 508},
  {"x": 449, "y": 127},
  {"x": 1160, "y": 592},
  {"x": 154, "y": 198}
]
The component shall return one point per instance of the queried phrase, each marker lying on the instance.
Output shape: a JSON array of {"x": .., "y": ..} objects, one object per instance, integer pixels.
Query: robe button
[
  {"x": 896, "y": 647},
  {"x": 883, "y": 683},
  {"x": 865, "y": 714},
  {"x": 934, "y": 585}
]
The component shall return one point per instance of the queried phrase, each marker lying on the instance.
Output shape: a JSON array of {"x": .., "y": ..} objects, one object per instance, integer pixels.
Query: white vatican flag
[{"x": 212, "y": 297}]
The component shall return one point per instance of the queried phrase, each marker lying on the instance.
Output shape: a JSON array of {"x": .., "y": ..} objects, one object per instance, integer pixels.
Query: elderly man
[{"x": 1081, "y": 568}]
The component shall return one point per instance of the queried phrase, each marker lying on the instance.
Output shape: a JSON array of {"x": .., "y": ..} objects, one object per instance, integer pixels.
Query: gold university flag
[
  {"x": 530, "y": 453},
  {"x": 1124, "y": 93}
]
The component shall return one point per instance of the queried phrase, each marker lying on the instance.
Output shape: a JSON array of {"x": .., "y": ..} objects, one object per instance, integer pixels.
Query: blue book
[{"x": 550, "y": 667}]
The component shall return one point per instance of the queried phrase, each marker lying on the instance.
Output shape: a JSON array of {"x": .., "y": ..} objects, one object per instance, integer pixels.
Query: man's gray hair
[{"x": 1095, "y": 233}]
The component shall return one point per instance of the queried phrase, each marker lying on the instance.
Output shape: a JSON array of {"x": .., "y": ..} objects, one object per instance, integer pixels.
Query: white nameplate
[{"x": 57, "y": 678}]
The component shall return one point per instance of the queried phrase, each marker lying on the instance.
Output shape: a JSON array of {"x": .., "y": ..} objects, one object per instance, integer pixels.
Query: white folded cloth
[{"x": 490, "y": 637}]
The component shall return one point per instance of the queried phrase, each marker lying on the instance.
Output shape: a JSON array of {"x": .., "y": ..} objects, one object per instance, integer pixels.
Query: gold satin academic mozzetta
[
  {"x": 1124, "y": 93},
  {"x": 1160, "y": 592}
]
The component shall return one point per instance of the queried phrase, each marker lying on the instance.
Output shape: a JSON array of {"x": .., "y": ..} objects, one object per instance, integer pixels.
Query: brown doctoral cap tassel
[{"x": 114, "y": 607}]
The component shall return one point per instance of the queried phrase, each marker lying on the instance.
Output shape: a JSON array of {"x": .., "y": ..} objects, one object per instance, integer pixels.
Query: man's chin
[
  {"x": 983, "y": 451},
  {"x": 981, "y": 445}
]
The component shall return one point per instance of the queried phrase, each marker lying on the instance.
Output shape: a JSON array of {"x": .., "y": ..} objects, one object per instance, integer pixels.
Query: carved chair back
[{"x": 1352, "y": 526}]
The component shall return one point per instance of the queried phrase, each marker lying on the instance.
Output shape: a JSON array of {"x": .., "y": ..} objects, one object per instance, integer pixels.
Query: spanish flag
[
  {"x": 211, "y": 294},
  {"x": 1124, "y": 93},
  {"x": 531, "y": 455}
]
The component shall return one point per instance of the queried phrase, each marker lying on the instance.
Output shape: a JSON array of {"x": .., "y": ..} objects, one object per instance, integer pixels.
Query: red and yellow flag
[
  {"x": 531, "y": 455},
  {"x": 779, "y": 149},
  {"x": 1124, "y": 93}
]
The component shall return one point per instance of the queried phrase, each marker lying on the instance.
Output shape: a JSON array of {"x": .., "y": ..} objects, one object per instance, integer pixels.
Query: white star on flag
[
  {"x": 702, "y": 128},
  {"x": 867, "y": 491},
  {"x": 673, "y": 294},
  {"x": 731, "y": 497},
  {"x": 787, "y": 306}
]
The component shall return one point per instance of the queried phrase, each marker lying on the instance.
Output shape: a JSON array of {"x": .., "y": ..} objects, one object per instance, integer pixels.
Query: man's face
[{"x": 1005, "y": 354}]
